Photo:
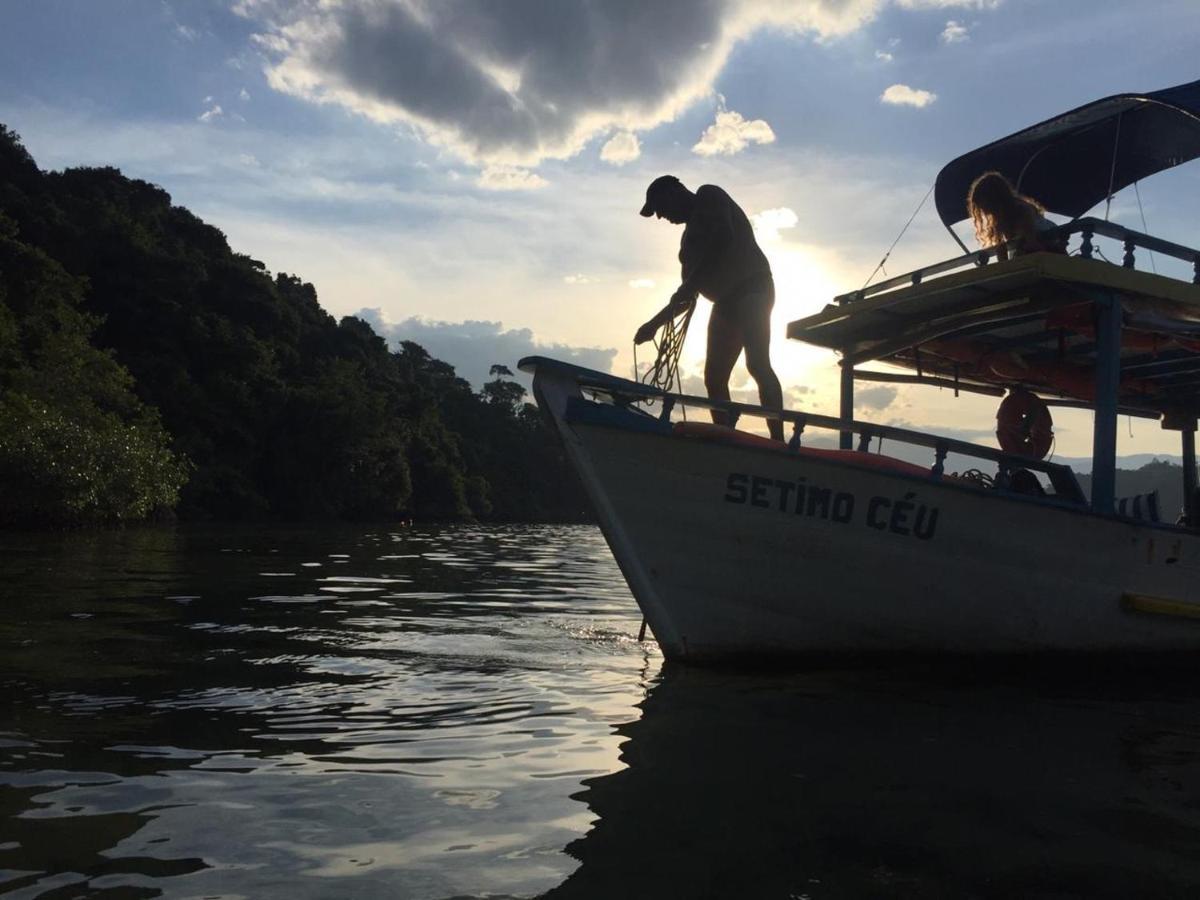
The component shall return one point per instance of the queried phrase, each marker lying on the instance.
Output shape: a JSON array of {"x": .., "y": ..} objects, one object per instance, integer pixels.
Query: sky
[{"x": 467, "y": 173}]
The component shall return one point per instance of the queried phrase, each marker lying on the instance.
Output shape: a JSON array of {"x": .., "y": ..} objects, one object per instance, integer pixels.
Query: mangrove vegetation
[{"x": 149, "y": 371}]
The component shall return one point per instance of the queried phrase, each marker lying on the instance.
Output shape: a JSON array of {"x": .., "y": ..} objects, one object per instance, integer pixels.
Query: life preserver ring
[{"x": 1024, "y": 425}]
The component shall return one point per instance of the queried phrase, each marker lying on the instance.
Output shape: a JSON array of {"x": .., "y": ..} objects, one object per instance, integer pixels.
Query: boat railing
[
  {"x": 626, "y": 393},
  {"x": 1131, "y": 240},
  {"x": 1088, "y": 229}
]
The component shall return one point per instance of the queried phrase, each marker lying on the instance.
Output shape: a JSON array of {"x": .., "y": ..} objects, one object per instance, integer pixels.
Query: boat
[{"x": 738, "y": 547}]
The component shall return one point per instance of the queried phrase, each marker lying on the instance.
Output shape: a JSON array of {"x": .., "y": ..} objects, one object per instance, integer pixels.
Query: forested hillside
[
  {"x": 1164, "y": 477},
  {"x": 147, "y": 368}
]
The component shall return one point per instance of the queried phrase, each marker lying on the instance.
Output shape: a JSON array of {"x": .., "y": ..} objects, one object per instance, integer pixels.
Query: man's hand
[
  {"x": 678, "y": 303},
  {"x": 646, "y": 332}
]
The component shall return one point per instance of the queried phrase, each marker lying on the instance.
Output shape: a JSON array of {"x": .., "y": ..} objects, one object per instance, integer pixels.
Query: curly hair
[{"x": 1000, "y": 213}]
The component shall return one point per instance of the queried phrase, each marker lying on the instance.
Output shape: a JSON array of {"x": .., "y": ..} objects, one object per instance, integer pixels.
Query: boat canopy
[
  {"x": 1028, "y": 322},
  {"x": 1073, "y": 161}
]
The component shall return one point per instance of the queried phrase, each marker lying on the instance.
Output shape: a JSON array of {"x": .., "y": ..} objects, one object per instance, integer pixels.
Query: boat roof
[
  {"x": 1071, "y": 162},
  {"x": 1027, "y": 322}
]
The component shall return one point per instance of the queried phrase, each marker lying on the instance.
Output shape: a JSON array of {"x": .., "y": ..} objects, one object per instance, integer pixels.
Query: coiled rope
[{"x": 668, "y": 346}]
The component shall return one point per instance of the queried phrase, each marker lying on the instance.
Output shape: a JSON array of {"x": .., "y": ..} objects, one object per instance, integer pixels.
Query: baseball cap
[{"x": 657, "y": 187}]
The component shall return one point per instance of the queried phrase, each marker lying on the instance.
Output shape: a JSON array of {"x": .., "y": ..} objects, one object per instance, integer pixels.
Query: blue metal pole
[
  {"x": 1189, "y": 474},
  {"x": 1108, "y": 380},
  {"x": 846, "y": 439}
]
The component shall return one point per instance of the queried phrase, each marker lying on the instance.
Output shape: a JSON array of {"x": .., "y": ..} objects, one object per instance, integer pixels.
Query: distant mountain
[
  {"x": 1161, "y": 476},
  {"x": 1131, "y": 461}
]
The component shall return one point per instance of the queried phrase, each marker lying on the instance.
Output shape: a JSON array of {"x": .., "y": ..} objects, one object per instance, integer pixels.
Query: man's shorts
[{"x": 751, "y": 306}]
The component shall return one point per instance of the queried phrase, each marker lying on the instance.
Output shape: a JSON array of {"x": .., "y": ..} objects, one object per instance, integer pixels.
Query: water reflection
[
  {"x": 455, "y": 712},
  {"x": 333, "y": 713},
  {"x": 909, "y": 783}
]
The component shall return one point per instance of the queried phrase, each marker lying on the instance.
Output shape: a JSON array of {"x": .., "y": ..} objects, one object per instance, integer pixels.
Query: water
[
  {"x": 257, "y": 714},
  {"x": 466, "y": 712}
]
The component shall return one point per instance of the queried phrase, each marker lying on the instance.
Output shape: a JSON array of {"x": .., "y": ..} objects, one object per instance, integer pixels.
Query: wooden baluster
[
  {"x": 1127, "y": 261},
  {"x": 797, "y": 431},
  {"x": 1085, "y": 247},
  {"x": 864, "y": 442},
  {"x": 939, "y": 465},
  {"x": 1003, "y": 472},
  {"x": 1196, "y": 270}
]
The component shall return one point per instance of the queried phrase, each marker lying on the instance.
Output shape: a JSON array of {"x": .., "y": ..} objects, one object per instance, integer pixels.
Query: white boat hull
[{"x": 745, "y": 552}]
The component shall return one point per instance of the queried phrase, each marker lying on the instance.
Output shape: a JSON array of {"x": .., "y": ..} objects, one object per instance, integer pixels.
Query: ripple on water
[
  {"x": 484, "y": 722},
  {"x": 423, "y": 742}
]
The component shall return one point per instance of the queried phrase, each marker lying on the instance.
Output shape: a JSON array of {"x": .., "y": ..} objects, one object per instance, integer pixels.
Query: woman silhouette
[{"x": 1005, "y": 218}]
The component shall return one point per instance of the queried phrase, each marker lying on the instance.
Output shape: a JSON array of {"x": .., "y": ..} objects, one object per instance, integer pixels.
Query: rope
[
  {"x": 900, "y": 235},
  {"x": 668, "y": 346},
  {"x": 1112, "y": 171},
  {"x": 977, "y": 476},
  {"x": 1145, "y": 230}
]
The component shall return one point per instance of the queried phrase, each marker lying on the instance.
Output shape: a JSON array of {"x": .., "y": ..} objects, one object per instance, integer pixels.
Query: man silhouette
[{"x": 721, "y": 260}]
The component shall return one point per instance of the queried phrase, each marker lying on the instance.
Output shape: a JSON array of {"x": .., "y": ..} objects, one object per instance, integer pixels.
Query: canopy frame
[{"x": 1072, "y": 161}]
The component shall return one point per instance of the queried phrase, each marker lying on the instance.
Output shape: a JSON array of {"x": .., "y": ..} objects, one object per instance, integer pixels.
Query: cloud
[
  {"x": 212, "y": 112},
  {"x": 884, "y": 55},
  {"x": 520, "y": 82},
  {"x": 903, "y": 95},
  {"x": 621, "y": 148},
  {"x": 949, "y": 4},
  {"x": 576, "y": 279},
  {"x": 795, "y": 396},
  {"x": 731, "y": 133},
  {"x": 641, "y": 283},
  {"x": 880, "y": 397},
  {"x": 955, "y": 33},
  {"x": 985, "y": 436},
  {"x": 243, "y": 95},
  {"x": 768, "y": 223},
  {"x": 472, "y": 347},
  {"x": 798, "y": 396},
  {"x": 509, "y": 178}
]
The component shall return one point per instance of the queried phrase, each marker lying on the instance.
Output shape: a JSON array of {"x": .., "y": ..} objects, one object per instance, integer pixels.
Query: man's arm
[
  {"x": 673, "y": 308},
  {"x": 710, "y": 232}
]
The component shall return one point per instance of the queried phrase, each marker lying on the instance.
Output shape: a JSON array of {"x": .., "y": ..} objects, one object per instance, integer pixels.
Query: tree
[
  {"x": 279, "y": 409},
  {"x": 76, "y": 444},
  {"x": 499, "y": 392}
]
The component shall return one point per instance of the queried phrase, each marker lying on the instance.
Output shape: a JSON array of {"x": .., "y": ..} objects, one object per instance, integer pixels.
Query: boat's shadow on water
[{"x": 1078, "y": 780}]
